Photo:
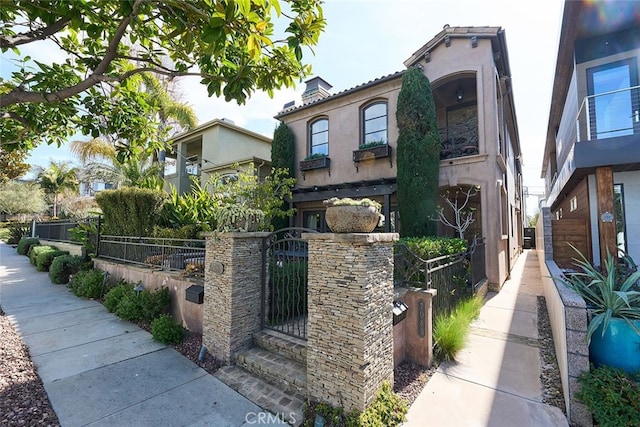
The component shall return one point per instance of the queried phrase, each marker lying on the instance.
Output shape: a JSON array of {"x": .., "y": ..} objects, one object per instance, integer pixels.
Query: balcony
[
  {"x": 609, "y": 115},
  {"x": 459, "y": 140}
]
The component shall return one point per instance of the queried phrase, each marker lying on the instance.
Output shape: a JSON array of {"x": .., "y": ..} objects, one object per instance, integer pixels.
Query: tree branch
[{"x": 31, "y": 36}]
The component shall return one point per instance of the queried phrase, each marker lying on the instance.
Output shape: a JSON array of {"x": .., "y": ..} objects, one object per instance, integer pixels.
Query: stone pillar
[
  {"x": 232, "y": 292},
  {"x": 350, "y": 316}
]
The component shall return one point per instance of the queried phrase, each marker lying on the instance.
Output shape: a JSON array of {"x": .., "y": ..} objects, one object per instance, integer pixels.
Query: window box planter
[
  {"x": 377, "y": 152},
  {"x": 315, "y": 163}
]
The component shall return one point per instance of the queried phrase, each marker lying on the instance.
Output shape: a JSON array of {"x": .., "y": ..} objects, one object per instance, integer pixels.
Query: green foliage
[
  {"x": 612, "y": 396},
  {"x": 238, "y": 218},
  {"x": 347, "y": 201},
  {"x": 371, "y": 144},
  {"x": 386, "y": 409},
  {"x": 196, "y": 207},
  {"x": 145, "y": 305},
  {"x": 21, "y": 198},
  {"x": 433, "y": 247},
  {"x": 450, "y": 331},
  {"x": 233, "y": 44},
  {"x": 608, "y": 294},
  {"x": 44, "y": 260},
  {"x": 17, "y": 231},
  {"x": 88, "y": 284},
  {"x": 12, "y": 165},
  {"x": 315, "y": 156},
  {"x": 37, "y": 250},
  {"x": 25, "y": 244},
  {"x": 184, "y": 232},
  {"x": 116, "y": 293},
  {"x": 287, "y": 290},
  {"x": 166, "y": 330},
  {"x": 65, "y": 265},
  {"x": 282, "y": 158},
  {"x": 58, "y": 178},
  {"x": 86, "y": 233},
  {"x": 130, "y": 211},
  {"x": 418, "y": 156}
]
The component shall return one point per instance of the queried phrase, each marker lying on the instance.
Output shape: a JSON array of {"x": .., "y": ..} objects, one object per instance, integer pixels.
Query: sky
[{"x": 367, "y": 39}]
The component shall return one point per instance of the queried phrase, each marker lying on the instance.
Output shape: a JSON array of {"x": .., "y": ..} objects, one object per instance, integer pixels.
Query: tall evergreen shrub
[
  {"x": 283, "y": 157},
  {"x": 418, "y": 156},
  {"x": 130, "y": 211}
]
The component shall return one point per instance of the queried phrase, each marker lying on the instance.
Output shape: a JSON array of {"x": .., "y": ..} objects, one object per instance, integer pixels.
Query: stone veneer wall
[
  {"x": 232, "y": 292},
  {"x": 350, "y": 332},
  {"x": 568, "y": 318}
]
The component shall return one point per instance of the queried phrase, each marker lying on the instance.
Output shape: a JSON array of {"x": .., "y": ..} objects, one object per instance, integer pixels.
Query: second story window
[
  {"x": 319, "y": 137},
  {"x": 374, "y": 124}
]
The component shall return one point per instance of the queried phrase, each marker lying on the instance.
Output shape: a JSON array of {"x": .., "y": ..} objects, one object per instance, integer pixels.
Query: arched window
[
  {"x": 319, "y": 137},
  {"x": 374, "y": 124}
]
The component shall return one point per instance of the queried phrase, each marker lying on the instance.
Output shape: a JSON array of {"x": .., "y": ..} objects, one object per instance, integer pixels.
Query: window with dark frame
[
  {"x": 319, "y": 137},
  {"x": 374, "y": 123}
]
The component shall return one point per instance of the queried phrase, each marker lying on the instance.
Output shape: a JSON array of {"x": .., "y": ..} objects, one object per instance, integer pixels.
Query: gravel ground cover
[{"x": 24, "y": 402}]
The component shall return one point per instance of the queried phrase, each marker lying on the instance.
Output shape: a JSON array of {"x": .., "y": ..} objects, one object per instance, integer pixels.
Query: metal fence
[
  {"x": 165, "y": 253},
  {"x": 454, "y": 277},
  {"x": 59, "y": 230}
]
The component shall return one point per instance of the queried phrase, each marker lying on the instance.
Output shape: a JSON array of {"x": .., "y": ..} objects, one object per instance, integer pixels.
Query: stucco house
[
  {"x": 591, "y": 163},
  {"x": 468, "y": 68},
  {"x": 215, "y": 147}
]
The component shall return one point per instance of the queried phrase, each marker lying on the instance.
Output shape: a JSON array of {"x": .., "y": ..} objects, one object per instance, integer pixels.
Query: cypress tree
[
  {"x": 283, "y": 157},
  {"x": 418, "y": 156}
]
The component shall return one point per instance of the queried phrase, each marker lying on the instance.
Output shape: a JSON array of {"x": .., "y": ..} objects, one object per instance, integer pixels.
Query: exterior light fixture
[
  {"x": 459, "y": 94},
  {"x": 427, "y": 56}
]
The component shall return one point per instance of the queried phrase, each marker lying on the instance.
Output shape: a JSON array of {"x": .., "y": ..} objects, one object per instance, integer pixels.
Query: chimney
[{"x": 316, "y": 90}]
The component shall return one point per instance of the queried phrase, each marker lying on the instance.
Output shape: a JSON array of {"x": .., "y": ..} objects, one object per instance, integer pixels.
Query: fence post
[
  {"x": 232, "y": 292},
  {"x": 33, "y": 228},
  {"x": 350, "y": 317}
]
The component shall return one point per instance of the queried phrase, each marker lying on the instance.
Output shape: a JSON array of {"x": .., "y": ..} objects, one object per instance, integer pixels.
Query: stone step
[
  {"x": 281, "y": 371},
  {"x": 285, "y": 405},
  {"x": 285, "y": 345}
]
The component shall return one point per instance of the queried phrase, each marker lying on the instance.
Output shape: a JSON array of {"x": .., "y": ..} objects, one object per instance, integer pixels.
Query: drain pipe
[{"x": 203, "y": 352}]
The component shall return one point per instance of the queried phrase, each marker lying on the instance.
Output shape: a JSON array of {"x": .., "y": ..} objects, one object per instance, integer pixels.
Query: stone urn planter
[{"x": 352, "y": 216}]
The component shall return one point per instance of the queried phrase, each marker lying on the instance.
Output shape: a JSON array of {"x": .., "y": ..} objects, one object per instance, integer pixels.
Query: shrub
[
  {"x": 65, "y": 265},
  {"x": 25, "y": 244},
  {"x": 386, "y": 409},
  {"x": 166, "y": 330},
  {"x": 44, "y": 260},
  {"x": 88, "y": 283},
  {"x": 116, "y": 294},
  {"x": 144, "y": 306},
  {"x": 433, "y": 247},
  {"x": 37, "y": 250},
  {"x": 612, "y": 396},
  {"x": 130, "y": 211},
  {"x": 450, "y": 331},
  {"x": 18, "y": 231}
]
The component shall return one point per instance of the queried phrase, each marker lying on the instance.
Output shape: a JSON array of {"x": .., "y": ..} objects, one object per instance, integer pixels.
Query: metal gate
[{"x": 284, "y": 284}]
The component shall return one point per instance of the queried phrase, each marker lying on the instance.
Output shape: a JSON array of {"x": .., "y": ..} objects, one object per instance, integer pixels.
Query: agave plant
[{"x": 608, "y": 294}]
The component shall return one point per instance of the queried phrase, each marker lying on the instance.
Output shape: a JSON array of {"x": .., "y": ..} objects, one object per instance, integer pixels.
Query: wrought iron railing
[
  {"x": 454, "y": 277},
  {"x": 459, "y": 140},
  {"x": 165, "y": 253},
  {"x": 284, "y": 289}
]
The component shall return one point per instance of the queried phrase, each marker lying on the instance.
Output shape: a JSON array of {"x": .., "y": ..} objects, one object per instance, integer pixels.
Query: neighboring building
[
  {"x": 212, "y": 148},
  {"x": 469, "y": 72},
  {"x": 591, "y": 162}
]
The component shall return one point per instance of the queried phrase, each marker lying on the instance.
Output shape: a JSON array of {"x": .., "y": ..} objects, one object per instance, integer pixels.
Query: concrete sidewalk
[
  {"x": 496, "y": 379},
  {"x": 101, "y": 371}
]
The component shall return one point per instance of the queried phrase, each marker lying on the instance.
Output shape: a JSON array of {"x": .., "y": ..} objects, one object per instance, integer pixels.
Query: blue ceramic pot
[{"x": 618, "y": 348}]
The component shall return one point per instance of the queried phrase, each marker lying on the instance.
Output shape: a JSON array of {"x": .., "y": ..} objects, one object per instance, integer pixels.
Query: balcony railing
[
  {"x": 459, "y": 140},
  {"x": 609, "y": 114}
]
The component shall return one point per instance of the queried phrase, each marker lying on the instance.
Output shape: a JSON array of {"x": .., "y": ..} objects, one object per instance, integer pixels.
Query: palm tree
[
  {"x": 58, "y": 178},
  {"x": 137, "y": 169}
]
